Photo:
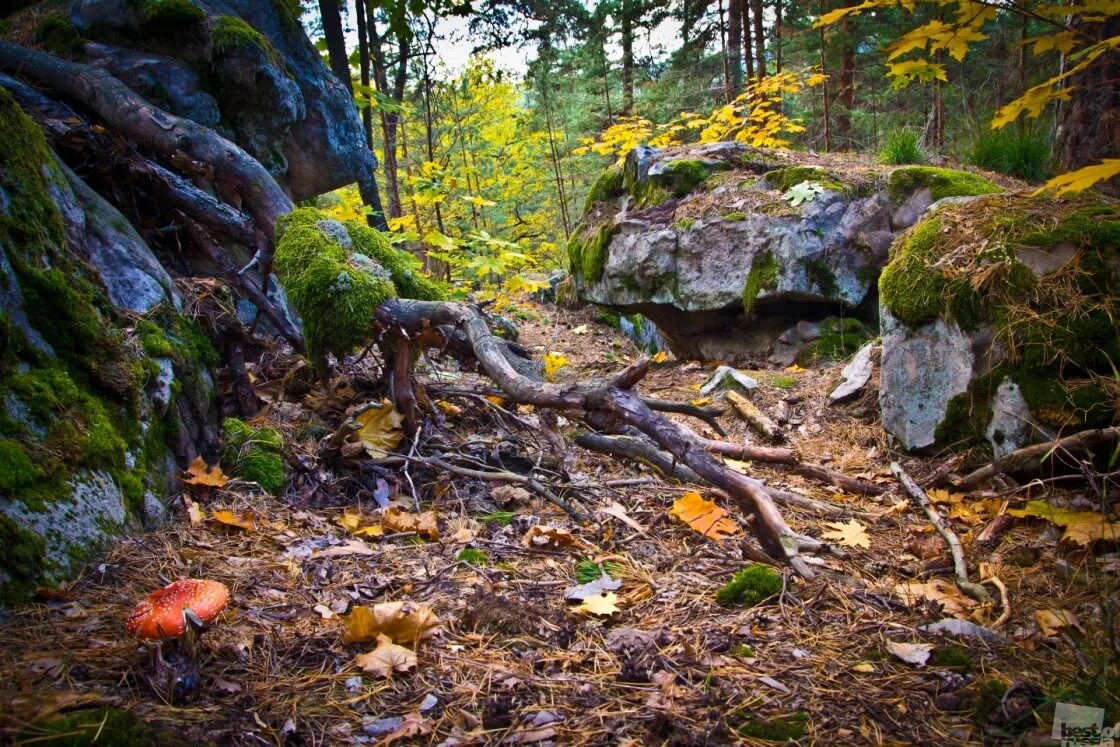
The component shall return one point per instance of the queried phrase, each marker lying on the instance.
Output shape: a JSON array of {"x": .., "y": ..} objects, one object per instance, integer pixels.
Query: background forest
[{"x": 487, "y": 163}]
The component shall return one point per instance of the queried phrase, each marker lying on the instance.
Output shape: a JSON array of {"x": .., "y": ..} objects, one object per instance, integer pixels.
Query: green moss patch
[
  {"x": 60, "y": 37},
  {"x": 607, "y": 186},
  {"x": 254, "y": 454},
  {"x": 839, "y": 339},
  {"x": 783, "y": 179},
  {"x": 941, "y": 183},
  {"x": 749, "y": 587},
  {"x": 228, "y": 34},
  {"x": 588, "y": 249},
  {"x": 473, "y": 556},
  {"x": 782, "y": 729},
  {"x": 763, "y": 275},
  {"x": 682, "y": 176},
  {"x": 109, "y": 727},
  {"x": 821, "y": 275},
  {"x": 951, "y": 657},
  {"x": 169, "y": 18}
]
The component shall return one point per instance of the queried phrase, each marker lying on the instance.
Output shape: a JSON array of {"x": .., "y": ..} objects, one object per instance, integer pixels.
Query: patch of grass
[
  {"x": 474, "y": 556},
  {"x": 780, "y": 729},
  {"x": 587, "y": 571},
  {"x": 501, "y": 518},
  {"x": 254, "y": 454},
  {"x": 1024, "y": 154},
  {"x": 749, "y": 587},
  {"x": 901, "y": 148},
  {"x": 839, "y": 339}
]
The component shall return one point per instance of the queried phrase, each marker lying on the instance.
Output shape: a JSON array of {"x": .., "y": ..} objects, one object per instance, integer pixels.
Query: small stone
[{"x": 382, "y": 726}]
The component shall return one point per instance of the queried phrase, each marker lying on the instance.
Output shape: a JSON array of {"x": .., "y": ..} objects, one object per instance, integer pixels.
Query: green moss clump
[
  {"x": 473, "y": 556},
  {"x": 22, "y": 556},
  {"x": 169, "y": 18},
  {"x": 501, "y": 518},
  {"x": 941, "y": 183},
  {"x": 783, "y": 179},
  {"x": 915, "y": 291},
  {"x": 153, "y": 341},
  {"x": 763, "y": 275},
  {"x": 404, "y": 268},
  {"x": 16, "y": 470},
  {"x": 587, "y": 257},
  {"x": 951, "y": 657},
  {"x": 745, "y": 651},
  {"x": 820, "y": 275},
  {"x": 682, "y": 176},
  {"x": 336, "y": 300},
  {"x": 607, "y": 186},
  {"x": 254, "y": 454},
  {"x": 735, "y": 216},
  {"x": 229, "y": 34},
  {"x": 986, "y": 697},
  {"x": 749, "y": 587},
  {"x": 60, "y": 37},
  {"x": 783, "y": 729},
  {"x": 684, "y": 224},
  {"x": 839, "y": 339}
]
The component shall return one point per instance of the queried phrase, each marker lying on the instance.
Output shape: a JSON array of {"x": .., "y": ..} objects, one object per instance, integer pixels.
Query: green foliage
[
  {"x": 763, "y": 275},
  {"x": 941, "y": 182},
  {"x": 819, "y": 274},
  {"x": 839, "y": 339},
  {"x": 229, "y": 34},
  {"x": 901, "y": 148},
  {"x": 473, "y": 556},
  {"x": 803, "y": 192},
  {"x": 733, "y": 216},
  {"x": 588, "y": 571},
  {"x": 254, "y": 454},
  {"x": 501, "y": 518},
  {"x": 1021, "y": 153},
  {"x": 60, "y": 38},
  {"x": 749, "y": 587},
  {"x": 781, "y": 729}
]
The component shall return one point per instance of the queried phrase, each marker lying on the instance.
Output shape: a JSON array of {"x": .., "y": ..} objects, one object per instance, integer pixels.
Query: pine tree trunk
[
  {"x": 627, "y": 56},
  {"x": 759, "y": 39},
  {"x": 748, "y": 54},
  {"x": 846, "y": 85},
  {"x": 336, "y": 41},
  {"x": 735, "y": 47}
]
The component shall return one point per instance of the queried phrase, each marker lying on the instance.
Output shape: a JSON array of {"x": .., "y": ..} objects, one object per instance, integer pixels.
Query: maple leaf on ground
[
  {"x": 198, "y": 473},
  {"x": 403, "y": 622},
  {"x": 352, "y": 520},
  {"x": 380, "y": 430},
  {"x": 541, "y": 537},
  {"x": 1053, "y": 620},
  {"x": 947, "y": 595},
  {"x": 704, "y": 516},
  {"x": 397, "y": 520},
  {"x": 852, "y": 534},
  {"x": 600, "y": 604},
  {"x": 244, "y": 520},
  {"x": 385, "y": 659},
  {"x": 1082, "y": 527}
]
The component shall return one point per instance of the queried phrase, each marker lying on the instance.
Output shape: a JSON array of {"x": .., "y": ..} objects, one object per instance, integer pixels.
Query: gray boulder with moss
[
  {"x": 999, "y": 322},
  {"x": 245, "y": 68},
  {"x": 90, "y": 425},
  {"x": 726, "y": 248}
]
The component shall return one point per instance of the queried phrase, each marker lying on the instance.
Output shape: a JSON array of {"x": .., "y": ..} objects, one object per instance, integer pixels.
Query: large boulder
[
  {"x": 246, "y": 68},
  {"x": 103, "y": 384},
  {"x": 999, "y": 322},
  {"x": 726, "y": 248}
]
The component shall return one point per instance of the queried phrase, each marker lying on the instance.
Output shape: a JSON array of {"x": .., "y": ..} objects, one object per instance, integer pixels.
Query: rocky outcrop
[
  {"x": 244, "y": 68},
  {"x": 999, "y": 322},
  {"x": 726, "y": 247},
  {"x": 103, "y": 384}
]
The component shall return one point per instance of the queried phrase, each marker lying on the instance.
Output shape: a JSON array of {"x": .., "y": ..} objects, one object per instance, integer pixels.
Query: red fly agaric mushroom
[{"x": 181, "y": 610}]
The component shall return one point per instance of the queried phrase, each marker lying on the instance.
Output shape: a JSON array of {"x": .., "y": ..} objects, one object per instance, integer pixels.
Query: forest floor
[{"x": 513, "y": 662}]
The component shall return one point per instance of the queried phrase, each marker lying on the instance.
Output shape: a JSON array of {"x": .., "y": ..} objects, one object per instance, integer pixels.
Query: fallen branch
[
  {"x": 707, "y": 414},
  {"x": 1037, "y": 451},
  {"x": 788, "y": 457},
  {"x": 759, "y": 421},
  {"x": 920, "y": 500}
]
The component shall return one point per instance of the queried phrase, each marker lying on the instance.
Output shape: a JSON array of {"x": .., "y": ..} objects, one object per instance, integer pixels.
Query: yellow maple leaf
[
  {"x": 660, "y": 357},
  {"x": 396, "y": 519},
  {"x": 600, "y": 604},
  {"x": 704, "y": 516},
  {"x": 852, "y": 533},
  {"x": 553, "y": 362},
  {"x": 385, "y": 659},
  {"x": 380, "y": 431},
  {"x": 1062, "y": 41},
  {"x": 198, "y": 473},
  {"x": 1082, "y": 527},
  {"x": 1077, "y": 181},
  {"x": 402, "y": 622},
  {"x": 352, "y": 520},
  {"x": 244, "y": 520}
]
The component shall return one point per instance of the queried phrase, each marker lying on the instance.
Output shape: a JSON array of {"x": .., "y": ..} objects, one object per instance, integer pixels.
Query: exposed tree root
[
  {"x": 1019, "y": 457},
  {"x": 607, "y": 403}
]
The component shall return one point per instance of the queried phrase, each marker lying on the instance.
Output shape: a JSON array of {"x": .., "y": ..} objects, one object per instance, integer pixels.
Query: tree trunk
[
  {"x": 778, "y": 36},
  {"x": 331, "y": 14},
  {"x": 748, "y": 46},
  {"x": 846, "y": 87},
  {"x": 389, "y": 119},
  {"x": 759, "y": 39},
  {"x": 627, "y": 21},
  {"x": 735, "y": 28},
  {"x": 726, "y": 55},
  {"x": 363, "y": 65},
  {"x": 1089, "y": 123},
  {"x": 824, "y": 90}
]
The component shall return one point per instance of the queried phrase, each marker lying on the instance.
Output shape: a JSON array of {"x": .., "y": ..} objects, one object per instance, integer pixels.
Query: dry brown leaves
[
  {"x": 386, "y": 658},
  {"x": 402, "y": 622},
  {"x": 201, "y": 475}
]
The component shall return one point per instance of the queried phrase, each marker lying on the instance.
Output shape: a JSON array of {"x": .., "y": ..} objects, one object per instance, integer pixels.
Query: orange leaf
[
  {"x": 704, "y": 516},
  {"x": 396, "y": 520},
  {"x": 229, "y": 518},
  {"x": 198, "y": 473}
]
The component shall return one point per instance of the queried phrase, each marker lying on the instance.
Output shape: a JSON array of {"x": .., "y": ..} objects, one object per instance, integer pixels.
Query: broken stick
[{"x": 756, "y": 418}]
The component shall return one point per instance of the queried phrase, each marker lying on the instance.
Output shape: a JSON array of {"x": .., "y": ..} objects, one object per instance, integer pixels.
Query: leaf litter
[{"x": 340, "y": 633}]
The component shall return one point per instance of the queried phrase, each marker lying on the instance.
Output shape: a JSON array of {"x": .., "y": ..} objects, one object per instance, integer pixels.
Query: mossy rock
[
  {"x": 588, "y": 250},
  {"x": 763, "y": 275},
  {"x": 840, "y": 338},
  {"x": 229, "y": 34},
  {"x": 749, "y": 587},
  {"x": 1041, "y": 275},
  {"x": 607, "y": 186},
  {"x": 254, "y": 454},
  {"x": 784, "y": 179},
  {"x": 682, "y": 176},
  {"x": 169, "y": 18},
  {"x": 941, "y": 183},
  {"x": 61, "y": 38}
]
